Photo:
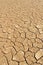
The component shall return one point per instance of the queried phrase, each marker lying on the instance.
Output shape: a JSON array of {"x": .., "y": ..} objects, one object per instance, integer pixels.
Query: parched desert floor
[{"x": 21, "y": 32}]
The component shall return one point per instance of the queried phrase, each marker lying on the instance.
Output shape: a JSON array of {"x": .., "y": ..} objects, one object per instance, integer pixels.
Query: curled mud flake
[
  {"x": 40, "y": 61},
  {"x": 5, "y": 50},
  {"x": 19, "y": 46},
  {"x": 33, "y": 29},
  {"x": 38, "y": 43},
  {"x": 30, "y": 60},
  {"x": 23, "y": 63},
  {"x": 39, "y": 54},
  {"x": 30, "y": 35},
  {"x": 36, "y": 64},
  {"x": 13, "y": 63},
  {"x": 28, "y": 53},
  {"x": 19, "y": 39},
  {"x": 19, "y": 56},
  {"x": 33, "y": 49}
]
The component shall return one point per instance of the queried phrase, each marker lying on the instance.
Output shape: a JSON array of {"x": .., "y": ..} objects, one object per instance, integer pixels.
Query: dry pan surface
[{"x": 21, "y": 32}]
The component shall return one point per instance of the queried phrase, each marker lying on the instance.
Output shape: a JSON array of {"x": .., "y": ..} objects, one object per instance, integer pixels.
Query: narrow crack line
[
  {"x": 12, "y": 41},
  {"x": 15, "y": 49},
  {"x": 40, "y": 39},
  {"x": 15, "y": 54},
  {"x": 2, "y": 51},
  {"x": 37, "y": 29},
  {"x": 5, "y": 57},
  {"x": 7, "y": 60},
  {"x": 40, "y": 57},
  {"x": 35, "y": 57},
  {"x": 38, "y": 63},
  {"x": 12, "y": 58},
  {"x": 15, "y": 60},
  {"x": 25, "y": 59},
  {"x": 18, "y": 63},
  {"x": 21, "y": 43},
  {"x": 32, "y": 32}
]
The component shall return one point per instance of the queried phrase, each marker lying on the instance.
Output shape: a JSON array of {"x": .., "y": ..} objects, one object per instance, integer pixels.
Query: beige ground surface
[{"x": 21, "y": 32}]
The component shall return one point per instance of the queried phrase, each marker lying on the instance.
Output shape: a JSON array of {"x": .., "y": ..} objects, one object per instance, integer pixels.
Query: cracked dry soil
[{"x": 21, "y": 32}]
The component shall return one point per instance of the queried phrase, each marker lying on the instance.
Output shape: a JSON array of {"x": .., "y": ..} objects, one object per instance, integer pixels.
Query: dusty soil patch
[{"x": 21, "y": 32}]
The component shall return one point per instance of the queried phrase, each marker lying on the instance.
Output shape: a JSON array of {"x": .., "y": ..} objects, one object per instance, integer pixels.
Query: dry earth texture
[{"x": 21, "y": 32}]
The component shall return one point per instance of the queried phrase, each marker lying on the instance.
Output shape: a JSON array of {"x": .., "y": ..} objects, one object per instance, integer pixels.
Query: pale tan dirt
[{"x": 21, "y": 32}]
